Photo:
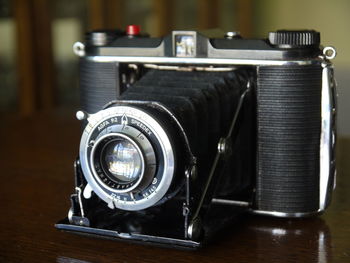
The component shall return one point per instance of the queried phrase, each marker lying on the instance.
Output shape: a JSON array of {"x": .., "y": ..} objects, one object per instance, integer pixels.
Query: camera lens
[
  {"x": 127, "y": 158},
  {"x": 122, "y": 160},
  {"x": 118, "y": 162}
]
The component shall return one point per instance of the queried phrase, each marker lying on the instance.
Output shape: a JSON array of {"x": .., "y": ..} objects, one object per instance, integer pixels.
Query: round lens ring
[
  {"x": 118, "y": 162},
  {"x": 122, "y": 160},
  {"x": 157, "y": 149}
]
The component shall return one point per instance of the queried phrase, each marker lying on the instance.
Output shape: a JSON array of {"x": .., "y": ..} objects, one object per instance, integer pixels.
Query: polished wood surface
[{"x": 36, "y": 159}]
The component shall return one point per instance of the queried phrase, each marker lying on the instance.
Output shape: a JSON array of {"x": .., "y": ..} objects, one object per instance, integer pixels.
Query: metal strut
[{"x": 222, "y": 150}]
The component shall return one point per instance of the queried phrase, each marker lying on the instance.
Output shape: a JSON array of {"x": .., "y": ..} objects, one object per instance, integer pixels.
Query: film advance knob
[{"x": 292, "y": 39}]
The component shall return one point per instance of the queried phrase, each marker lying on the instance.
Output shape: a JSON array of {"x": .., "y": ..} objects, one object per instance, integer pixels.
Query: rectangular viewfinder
[{"x": 184, "y": 44}]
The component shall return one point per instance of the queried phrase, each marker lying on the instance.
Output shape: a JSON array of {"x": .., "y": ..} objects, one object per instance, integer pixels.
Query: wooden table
[{"x": 36, "y": 159}]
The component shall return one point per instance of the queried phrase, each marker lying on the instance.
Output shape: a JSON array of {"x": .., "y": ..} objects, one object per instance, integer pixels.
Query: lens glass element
[{"x": 123, "y": 160}]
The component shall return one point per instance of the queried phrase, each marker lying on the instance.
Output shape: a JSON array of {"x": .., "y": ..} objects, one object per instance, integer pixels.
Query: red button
[{"x": 133, "y": 30}]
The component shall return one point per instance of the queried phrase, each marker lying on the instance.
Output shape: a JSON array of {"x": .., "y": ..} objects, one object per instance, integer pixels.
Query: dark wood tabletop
[{"x": 36, "y": 160}]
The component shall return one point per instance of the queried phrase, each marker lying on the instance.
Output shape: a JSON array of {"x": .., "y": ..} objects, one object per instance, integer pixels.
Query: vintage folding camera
[{"x": 183, "y": 134}]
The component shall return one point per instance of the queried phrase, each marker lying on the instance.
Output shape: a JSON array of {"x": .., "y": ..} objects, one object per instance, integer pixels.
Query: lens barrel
[
  {"x": 118, "y": 161},
  {"x": 127, "y": 157}
]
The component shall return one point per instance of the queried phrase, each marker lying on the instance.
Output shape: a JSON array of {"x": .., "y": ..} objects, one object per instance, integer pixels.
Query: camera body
[{"x": 183, "y": 134}]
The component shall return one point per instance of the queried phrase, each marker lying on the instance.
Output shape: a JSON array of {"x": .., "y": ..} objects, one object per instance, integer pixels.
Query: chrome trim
[
  {"x": 139, "y": 52},
  {"x": 230, "y": 202},
  {"x": 94, "y": 121},
  {"x": 326, "y": 137},
  {"x": 188, "y": 68},
  {"x": 78, "y": 189},
  {"x": 213, "y": 61},
  {"x": 70, "y": 215},
  {"x": 283, "y": 214}
]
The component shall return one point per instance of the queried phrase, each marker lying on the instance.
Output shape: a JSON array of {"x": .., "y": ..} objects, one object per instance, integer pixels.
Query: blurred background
[{"x": 38, "y": 70}]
